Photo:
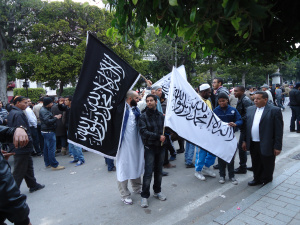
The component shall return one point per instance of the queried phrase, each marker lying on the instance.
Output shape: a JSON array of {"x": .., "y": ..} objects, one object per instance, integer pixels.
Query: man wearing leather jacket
[{"x": 12, "y": 203}]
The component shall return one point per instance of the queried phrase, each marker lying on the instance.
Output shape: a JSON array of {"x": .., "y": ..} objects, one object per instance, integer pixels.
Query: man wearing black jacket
[
  {"x": 243, "y": 103},
  {"x": 48, "y": 126},
  {"x": 151, "y": 124},
  {"x": 12, "y": 203},
  {"x": 23, "y": 164}
]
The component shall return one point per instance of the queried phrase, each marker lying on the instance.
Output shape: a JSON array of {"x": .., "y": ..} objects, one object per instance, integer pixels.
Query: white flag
[
  {"x": 189, "y": 116},
  {"x": 164, "y": 82}
]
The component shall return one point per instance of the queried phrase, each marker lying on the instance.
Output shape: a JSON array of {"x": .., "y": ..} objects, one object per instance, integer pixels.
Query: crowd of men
[{"x": 145, "y": 145}]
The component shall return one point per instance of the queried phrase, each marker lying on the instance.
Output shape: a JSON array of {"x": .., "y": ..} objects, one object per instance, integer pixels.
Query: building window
[{"x": 39, "y": 84}]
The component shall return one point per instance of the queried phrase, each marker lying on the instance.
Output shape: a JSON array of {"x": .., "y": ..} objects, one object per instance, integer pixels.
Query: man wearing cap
[
  {"x": 265, "y": 88},
  {"x": 204, "y": 159},
  {"x": 48, "y": 126},
  {"x": 23, "y": 164},
  {"x": 295, "y": 107}
]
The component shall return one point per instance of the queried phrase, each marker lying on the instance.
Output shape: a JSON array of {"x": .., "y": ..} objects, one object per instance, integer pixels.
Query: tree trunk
[
  {"x": 61, "y": 88},
  {"x": 244, "y": 78}
]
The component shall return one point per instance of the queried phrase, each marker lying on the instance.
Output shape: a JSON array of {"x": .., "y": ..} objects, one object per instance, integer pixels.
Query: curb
[{"x": 233, "y": 212}]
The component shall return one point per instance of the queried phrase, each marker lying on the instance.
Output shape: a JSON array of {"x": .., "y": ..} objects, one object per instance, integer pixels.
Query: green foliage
[
  {"x": 258, "y": 31},
  {"x": 67, "y": 91},
  {"x": 33, "y": 93}
]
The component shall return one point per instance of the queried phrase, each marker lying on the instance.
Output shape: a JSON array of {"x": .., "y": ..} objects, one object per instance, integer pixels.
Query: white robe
[{"x": 130, "y": 158}]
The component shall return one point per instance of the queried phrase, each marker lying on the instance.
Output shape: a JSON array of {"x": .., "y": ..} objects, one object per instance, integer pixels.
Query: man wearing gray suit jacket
[{"x": 263, "y": 136}]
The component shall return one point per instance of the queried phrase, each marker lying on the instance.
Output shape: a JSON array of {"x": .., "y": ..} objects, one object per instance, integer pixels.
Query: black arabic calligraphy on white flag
[
  {"x": 189, "y": 116},
  {"x": 164, "y": 82}
]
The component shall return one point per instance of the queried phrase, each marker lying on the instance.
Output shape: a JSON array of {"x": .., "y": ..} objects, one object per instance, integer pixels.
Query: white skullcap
[{"x": 204, "y": 87}]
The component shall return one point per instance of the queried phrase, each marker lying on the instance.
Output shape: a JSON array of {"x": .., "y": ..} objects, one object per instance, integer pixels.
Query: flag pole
[{"x": 143, "y": 77}]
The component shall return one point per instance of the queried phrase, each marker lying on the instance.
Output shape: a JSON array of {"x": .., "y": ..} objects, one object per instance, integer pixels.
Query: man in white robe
[{"x": 130, "y": 157}]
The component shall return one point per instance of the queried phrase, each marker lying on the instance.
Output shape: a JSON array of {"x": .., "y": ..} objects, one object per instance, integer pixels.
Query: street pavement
[{"x": 89, "y": 195}]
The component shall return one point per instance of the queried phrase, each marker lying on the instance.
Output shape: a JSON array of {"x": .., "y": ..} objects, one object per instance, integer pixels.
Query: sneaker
[
  {"x": 199, "y": 175},
  {"x": 234, "y": 181},
  {"x": 127, "y": 200},
  {"x": 79, "y": 163},
  {"x": 48, "y": 166},
  {"x": 222, "y": 180},
  {"x": 172, "y": 158},
  {"x": 208, "y": 172},
  {"x": 144, "y": 203},
  {"x": 36, "y": 188},
  {"x": 191, "y": 165},
  {"x": 71, "y": 156},
  {"x": 73, "y": 161},
  {"x": 58, "y": 168},
  {"x": 160, "y": 196}
]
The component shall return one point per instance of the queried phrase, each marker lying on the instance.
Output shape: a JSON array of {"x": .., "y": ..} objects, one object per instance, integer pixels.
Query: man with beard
[
  {"x": 130, "y": 157},
  {"x": 243, "y": 103}
]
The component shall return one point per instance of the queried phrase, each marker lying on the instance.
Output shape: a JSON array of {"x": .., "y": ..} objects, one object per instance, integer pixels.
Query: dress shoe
[
  {"x": 250, "y": 168},
  {"x": 240, "y": 170},
  {"x": 298, "y": 131},
  {"x": 254, "y": 183},
  {"x": 36, "y": 188}
]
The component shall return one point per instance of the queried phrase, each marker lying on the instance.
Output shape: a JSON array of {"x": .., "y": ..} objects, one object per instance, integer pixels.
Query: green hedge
[
  {"x": 67, "y": 91},
  {"x": 33, "y": 93}
]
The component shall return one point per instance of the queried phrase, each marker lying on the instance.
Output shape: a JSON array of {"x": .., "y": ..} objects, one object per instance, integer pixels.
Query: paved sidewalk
[{"x": 276, "y": 203}]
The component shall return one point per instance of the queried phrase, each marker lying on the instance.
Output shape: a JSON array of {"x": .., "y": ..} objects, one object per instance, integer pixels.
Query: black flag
[{"x": 99, "y": 100}]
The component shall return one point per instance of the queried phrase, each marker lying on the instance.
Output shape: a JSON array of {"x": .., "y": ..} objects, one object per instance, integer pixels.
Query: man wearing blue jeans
[
  {"x": 48, "y": 126},
  {"x": 151, "y": 124},
  {"x": 65, "y": 105},
  {"x": 189, "y": 154}
]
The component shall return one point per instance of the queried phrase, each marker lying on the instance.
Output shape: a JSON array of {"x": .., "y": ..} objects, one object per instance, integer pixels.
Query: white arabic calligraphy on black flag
[
  {"x": 189, "y": 116},
  {"x": 164, "y": 82},
  {"x": 99, "y": 100}
]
